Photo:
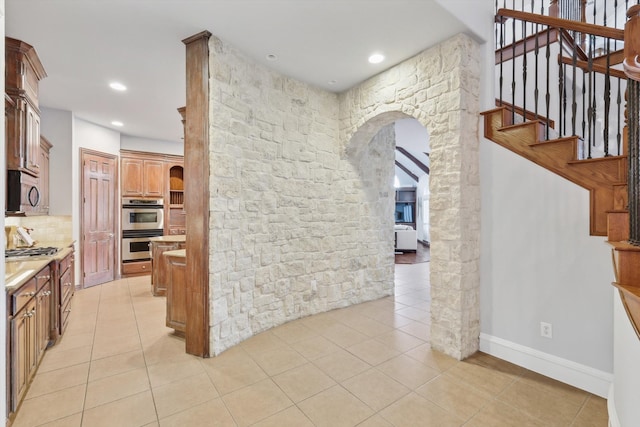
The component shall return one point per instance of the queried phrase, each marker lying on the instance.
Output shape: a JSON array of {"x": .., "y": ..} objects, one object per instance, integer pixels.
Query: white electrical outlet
[{"x": 546, "y": 330}]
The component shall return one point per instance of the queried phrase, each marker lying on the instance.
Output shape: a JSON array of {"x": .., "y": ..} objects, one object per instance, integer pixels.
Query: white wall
[
  {"x": 128, "y": 142},
  {"x": 57, "y": 127},
  {"x": 540, "y": 264}
]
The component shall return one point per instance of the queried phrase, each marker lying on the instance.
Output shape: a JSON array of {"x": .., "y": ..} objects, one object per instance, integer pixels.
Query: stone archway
[
  {"x": 439, "y": 87},
  {"x": 293, "y": 230}
]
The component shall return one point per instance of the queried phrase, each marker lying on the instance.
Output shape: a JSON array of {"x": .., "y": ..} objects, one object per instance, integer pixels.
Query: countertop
[
  {"x": 172, "y": 238},
  {"x": 19, "y": 270}
]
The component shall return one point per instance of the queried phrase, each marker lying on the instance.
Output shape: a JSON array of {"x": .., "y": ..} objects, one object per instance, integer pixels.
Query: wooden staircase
[{"x": 605, "y": 178}]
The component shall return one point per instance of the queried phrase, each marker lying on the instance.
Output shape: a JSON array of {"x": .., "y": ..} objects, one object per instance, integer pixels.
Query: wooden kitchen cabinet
[
  {"x": 45, "y": 149},
  {"x": 159, "y": 266},
  {"x": 176, "y": 223},
  {"x": 142, "y": 177},
  {"x": 22, "y": 75},
  {"x": 176, "y": 290},
  {"x": 22, "y": 355},
  {"x": 65, "y": 289},
  {"x": 29, "y": 333}
]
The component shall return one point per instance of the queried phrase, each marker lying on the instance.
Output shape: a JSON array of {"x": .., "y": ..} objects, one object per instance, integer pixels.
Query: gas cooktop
[{"x": 10, "y": 253}]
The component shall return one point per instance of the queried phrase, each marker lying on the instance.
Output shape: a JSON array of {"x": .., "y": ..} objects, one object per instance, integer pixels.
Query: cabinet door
[
  {"x": 176, "y": 294},
  {"x": 32, "y": 140},
  {"x": 159, "y": 273},
  {"x": 132, "y": 177},
  {"x": 43, "y": 319},
  {"x": 154, "y": 178},
  {"x": 23, "y": 354},
  {"x": 44, "y": 177}
]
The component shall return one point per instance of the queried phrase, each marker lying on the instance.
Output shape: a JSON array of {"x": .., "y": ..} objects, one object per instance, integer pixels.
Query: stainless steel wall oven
[{"x": 141, "y": 220}]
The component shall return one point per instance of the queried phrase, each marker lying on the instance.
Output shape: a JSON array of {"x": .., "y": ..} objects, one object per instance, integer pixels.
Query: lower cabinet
[
  {"x": 158, "y": 246},
  {"x": 66, "y": 288},
  {"x": 176, "y": 290},
  {"x": 29, "y": 333},
  {"x": 23, "y": 353}
]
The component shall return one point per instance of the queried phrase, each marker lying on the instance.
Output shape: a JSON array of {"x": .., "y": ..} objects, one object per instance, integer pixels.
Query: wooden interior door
[{"x": 98, "y": 227}]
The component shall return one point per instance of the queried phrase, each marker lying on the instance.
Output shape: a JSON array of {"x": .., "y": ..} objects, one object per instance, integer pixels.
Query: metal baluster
[
  {"x": 590, "y": 109},
  {"x": 501, "y": 56},
  {"x": 619, "y": 133},
  {"x": 574, "y": 105},
  {"x": 535, "y": 91},
  {"x": 634, "y": 160},
  {"x": 584, "y": 103},
  {"x": 513, "y": 73},
  {"x": 560, "y": 89},
  {"x": 607, "y": 101},
  {"x": 524, "y": 66},
  {"x": 547, "y": 95},
  {"x": 563, "y": 126},
  {"x": 594, "y": 110}
]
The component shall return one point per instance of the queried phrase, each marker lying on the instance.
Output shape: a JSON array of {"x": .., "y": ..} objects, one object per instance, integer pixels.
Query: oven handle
[{"x": 143, "y": 206}]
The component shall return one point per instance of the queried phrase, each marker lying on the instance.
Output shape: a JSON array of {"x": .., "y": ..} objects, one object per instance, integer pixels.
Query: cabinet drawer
[
  {"x": 23, "y": 295},
  {"x": 43, "y": 277},
  {"x": 65, "y": 312},
  {"x": 177, "y": 231},
  {"x": 66, "y": 263},
  {"x": 66, "y": 287},
  {"x": 143, "y": 267}
]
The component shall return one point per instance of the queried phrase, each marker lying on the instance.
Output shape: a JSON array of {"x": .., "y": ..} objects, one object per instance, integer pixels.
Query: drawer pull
[
  {"x": 68, "y": 310},
  {"x": 28, "y": 294},
  {"x": 46, "y": 293},
  {"x": 43, "y": 277}
]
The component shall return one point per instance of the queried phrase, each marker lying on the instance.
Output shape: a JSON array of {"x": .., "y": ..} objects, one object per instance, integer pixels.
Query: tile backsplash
[{"x": 45, "y": 228}]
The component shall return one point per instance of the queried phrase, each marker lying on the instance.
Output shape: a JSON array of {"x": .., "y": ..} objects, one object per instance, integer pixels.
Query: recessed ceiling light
[
  {"x": 272, "y": 57},
  {"x": 117, "y": 123},
  {"x": 117, "y": 86},
  {"x": 376, "y": 58}
]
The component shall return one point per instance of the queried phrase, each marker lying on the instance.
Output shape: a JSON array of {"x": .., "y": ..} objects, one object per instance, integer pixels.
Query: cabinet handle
[
  {"x": 43, "y": 277},
  {"x": 46, "y": 293},
  {"x": 68, "y": 310},
  {"x": 67, "y": 284},
  {"x": 28, "y": 294},
  {"x": 27, "y": 314}
]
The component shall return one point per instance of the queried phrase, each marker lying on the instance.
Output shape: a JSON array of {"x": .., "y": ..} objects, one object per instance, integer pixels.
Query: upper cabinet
[
  {"x": 142, "y": 176},
  {"x": 23, "y": 72}
]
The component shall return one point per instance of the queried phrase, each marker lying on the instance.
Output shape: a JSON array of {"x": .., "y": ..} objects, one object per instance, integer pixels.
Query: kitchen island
[{"x": 158, "y": 246}]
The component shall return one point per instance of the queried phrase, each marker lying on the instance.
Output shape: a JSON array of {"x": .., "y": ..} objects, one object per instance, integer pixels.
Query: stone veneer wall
[
  {"x": 299, "y": 210},
  {"x": 439, "y": 87},
  {"x": 296, "y": 227}
]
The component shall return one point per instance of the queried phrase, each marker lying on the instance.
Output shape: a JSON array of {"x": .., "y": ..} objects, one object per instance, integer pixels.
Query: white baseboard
[
  {"x": 611, "y": 409},
  {"x": 581, "y": 376}
]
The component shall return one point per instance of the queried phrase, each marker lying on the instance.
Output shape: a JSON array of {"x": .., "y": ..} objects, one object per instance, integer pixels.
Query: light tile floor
[{"x": 367, "y": 365}]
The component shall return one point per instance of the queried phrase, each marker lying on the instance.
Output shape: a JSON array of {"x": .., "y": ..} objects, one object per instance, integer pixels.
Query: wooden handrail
[
  {"x": 602, "y": 69},
  {"x": 581, "y": 27},
  {"x": 631, "y": 64}
]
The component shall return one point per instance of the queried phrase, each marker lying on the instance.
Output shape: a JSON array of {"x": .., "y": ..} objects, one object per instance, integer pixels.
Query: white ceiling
[{"x": 86, "y": 44}]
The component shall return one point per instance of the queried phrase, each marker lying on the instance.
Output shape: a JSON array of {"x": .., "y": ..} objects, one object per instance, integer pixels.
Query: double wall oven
[{"x": 141, "y": 220}]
